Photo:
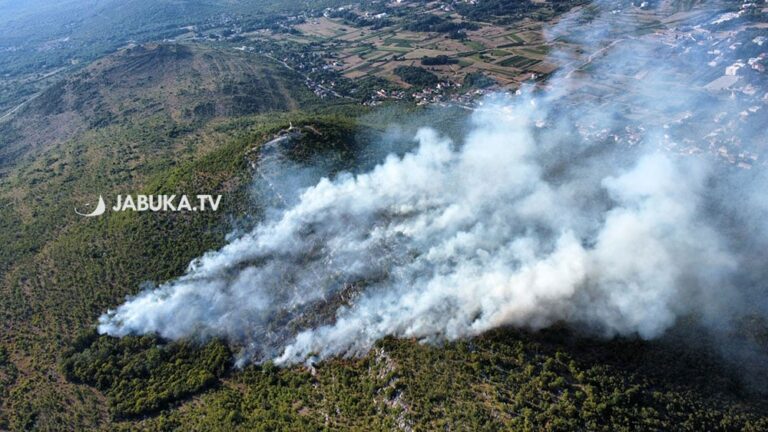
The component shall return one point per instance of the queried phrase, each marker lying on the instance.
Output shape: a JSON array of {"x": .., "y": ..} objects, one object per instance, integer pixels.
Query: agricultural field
[{"x": 363, "y": 51}]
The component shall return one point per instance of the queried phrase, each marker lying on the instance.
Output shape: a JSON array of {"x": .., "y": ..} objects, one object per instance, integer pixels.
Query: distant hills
[
  {"x": 181, "y": 83},
  {"x": 39, "y": 33}
]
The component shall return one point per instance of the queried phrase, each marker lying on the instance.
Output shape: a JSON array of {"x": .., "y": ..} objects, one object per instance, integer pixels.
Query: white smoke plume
[{"x": 528, "y": 221}]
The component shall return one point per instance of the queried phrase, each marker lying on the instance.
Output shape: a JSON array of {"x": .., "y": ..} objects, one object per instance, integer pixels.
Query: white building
[{"x": 733, "y": 69}]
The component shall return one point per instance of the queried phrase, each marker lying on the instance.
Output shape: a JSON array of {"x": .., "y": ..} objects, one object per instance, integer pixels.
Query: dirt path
[{"x": 19, "y": 106}]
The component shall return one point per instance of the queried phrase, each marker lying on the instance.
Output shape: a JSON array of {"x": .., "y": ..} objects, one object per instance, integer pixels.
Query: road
[{"x": 18, "y": 107}]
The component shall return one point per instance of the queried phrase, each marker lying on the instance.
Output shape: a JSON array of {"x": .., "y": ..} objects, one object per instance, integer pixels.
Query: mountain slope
[
  {"x": 180, "y": 83},
  {"x": 123, "y": 117},
  {"x": 113, "y": 128},
  {"x": 60, "y": 290},
  {"x": 504, "y": 380}
]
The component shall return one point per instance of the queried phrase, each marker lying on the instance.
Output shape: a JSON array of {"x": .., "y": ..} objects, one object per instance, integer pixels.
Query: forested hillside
[
  {"x": 130, "y": 122},
  {"x": 219, "y": 114},
  {"x": 507, "y": 379}
]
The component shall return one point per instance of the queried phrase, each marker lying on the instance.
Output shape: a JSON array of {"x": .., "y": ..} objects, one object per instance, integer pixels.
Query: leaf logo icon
[{"x": 98, "y": 211}]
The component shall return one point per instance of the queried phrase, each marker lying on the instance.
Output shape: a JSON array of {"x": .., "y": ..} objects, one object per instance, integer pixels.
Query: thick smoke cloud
[{"x": 536, "y": 217}]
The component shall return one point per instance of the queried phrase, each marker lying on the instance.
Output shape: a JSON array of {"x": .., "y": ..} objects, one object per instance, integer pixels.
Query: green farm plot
[
  {"x": 362, "y": 51},
  {"x": 507, "y": 73},
  {"x": 540, "y": 50},
  {"x": 514, "y": 38},
  {"x": 395, "y": 49},
  {"x": 519, "y": 62},
  {"x": 374, "y": 55},
  {"x": 476, "y": 46},
  {"x": 362, "y": 67},
  {"x": 373, "y": 35},
  {"x": 403, "y": 43},
  {"x": 466, "y": 54}
]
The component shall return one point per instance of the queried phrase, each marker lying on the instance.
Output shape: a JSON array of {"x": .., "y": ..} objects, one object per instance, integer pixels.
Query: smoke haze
[{"x": 551, "y": 209}]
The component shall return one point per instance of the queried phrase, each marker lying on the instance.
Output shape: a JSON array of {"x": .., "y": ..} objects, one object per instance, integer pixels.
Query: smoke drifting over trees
[{"x": 528, "y": 221}]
